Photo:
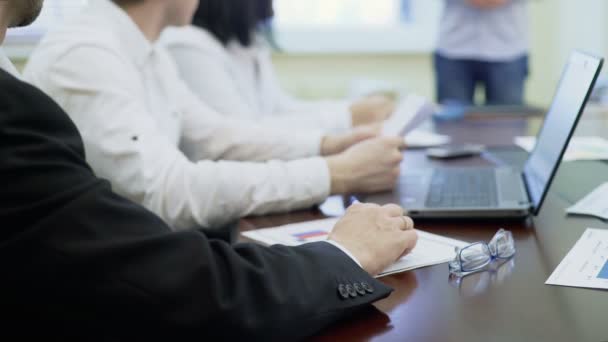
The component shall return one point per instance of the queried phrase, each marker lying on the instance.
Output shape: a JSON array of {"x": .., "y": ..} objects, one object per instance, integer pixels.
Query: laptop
[{"x": 505, "y": 191}]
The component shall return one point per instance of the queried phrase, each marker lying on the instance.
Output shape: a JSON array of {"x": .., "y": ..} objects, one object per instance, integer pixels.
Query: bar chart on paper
[
  {"x": 587, "y": 263},
  {"x": 604, "y": 272}
]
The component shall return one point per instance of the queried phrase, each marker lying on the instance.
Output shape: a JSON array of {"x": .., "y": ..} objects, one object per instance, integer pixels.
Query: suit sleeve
[{"x": 78, "y": 259}]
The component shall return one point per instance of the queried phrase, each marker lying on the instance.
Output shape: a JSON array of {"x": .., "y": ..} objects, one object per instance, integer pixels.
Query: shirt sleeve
[
  {"x": 333, "y": 115},
  {"x": 125, "y": 144},
  {"x": 214, "y": 85},
  {"x": 208, "y": 134}
]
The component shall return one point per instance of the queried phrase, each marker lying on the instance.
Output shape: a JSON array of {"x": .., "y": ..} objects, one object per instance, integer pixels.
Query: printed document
[
  {"x": 409, "y": 115},
  {"x": 587, "y": 263},
  {"x": 580, "y": 148},
  {"x": 431, "y": 249},
  {"x": 595, "y": 204}
]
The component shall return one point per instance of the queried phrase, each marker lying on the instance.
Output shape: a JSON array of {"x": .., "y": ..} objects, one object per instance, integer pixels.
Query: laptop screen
[{"x": 569, "y": 102}]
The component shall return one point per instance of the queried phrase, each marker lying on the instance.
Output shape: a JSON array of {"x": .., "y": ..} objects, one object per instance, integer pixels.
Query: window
[
  {"x": 318, "y": 26},
  {"x": 20, "y": 41}
]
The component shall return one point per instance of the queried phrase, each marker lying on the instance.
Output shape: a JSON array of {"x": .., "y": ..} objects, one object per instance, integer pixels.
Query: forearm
[
  {"x": 208, "y": 194},
  {"x": 239, "y": 140}
]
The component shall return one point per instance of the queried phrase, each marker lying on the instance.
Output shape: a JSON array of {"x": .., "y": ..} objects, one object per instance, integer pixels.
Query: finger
[
  {"x": 410, "y": 239},
  {"x": 395, "y": 157},
  {"x": 408, "y": 223},
  {"x": 393, "y": 210},
  {"x": 402, "y": 223},
  {"x": 365, "y": 133},
  {"x": 393, "y": 142},
  {"x": 395, "y": 173}
]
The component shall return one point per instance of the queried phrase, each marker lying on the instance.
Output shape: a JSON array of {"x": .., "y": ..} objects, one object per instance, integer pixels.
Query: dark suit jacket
[{"x": 78, "y": 261}]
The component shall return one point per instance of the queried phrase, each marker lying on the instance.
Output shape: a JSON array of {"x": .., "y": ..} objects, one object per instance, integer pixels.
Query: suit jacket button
[
  {"x": 367, "y": 287},
  {"x": 342, "y": 291},
  {"x": 351, "y": 291},
  {"x": 360, "y": 290}
]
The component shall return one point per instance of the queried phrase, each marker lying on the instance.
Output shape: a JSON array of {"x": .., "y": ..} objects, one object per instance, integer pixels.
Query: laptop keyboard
[{"x": 452, "y": 188}]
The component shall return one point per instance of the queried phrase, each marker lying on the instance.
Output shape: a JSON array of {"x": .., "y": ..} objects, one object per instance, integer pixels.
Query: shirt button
[
  {"x": 367, "y": 287},
  {"x": 342, "y": 291},
  {"x": 360, "y": 290},
  {"x": 351, "y": 291}
]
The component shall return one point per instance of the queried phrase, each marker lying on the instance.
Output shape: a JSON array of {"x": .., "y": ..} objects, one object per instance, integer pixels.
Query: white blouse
[{"x": 241, "y": 82}]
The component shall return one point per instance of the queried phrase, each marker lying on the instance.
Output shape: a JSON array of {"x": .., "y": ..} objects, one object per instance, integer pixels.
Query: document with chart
[
  {"x": 430, "y": 250},
  {"x": 587, "y": 263}
]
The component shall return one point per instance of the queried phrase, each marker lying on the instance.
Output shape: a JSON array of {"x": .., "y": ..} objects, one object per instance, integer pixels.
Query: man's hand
[
  {"x": 487, "y": 4},
  {"x": 334, "y": 144},
  {"x": 372, "y": 109},
  {"x": 376, "y": 236},
  {"x": 370, "y": 166}
]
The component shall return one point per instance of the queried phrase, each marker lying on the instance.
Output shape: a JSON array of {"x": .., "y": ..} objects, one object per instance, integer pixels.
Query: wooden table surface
[{"x": 510, "y": 302}]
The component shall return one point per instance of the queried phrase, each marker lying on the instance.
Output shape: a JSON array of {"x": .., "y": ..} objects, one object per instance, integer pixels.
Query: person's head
[
  {"x": 233, "y": 20},
  {"x": 17, "y": 13}
]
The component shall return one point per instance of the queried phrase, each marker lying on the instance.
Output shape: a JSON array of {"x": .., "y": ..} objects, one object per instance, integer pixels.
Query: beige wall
[{"x": 557, "y": 26}]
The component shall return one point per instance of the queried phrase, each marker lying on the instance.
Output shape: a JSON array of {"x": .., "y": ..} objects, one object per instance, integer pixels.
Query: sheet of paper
[
  {"x": 421, "y": 139},
  {"x": 431, "y": 249},
  {"x": 586, "y": 265},
  {"x": 595, "y": 204},
  {"x": 410, "y": 113},
  {"x": 580, "y": 148}
]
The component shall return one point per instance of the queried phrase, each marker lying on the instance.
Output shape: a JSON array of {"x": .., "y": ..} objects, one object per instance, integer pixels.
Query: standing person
[
  {"x": 80, "y": 263},
  {"x": 162, "y": 147},
  {"x": 483, "y": 42},
  {"x": 225, "y": 59}
]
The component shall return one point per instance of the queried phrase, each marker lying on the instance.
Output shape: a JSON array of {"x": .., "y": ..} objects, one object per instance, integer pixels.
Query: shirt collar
[
  {"x": 6, "y": 65},
  {"x": 133, "y": 41}
]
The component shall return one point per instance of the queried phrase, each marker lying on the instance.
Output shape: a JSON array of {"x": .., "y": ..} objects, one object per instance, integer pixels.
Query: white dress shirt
[
  {"x": 241, "y": 82},
  {"x": 134, "y": 114},
  {"x": 6, "y": 65},
  {"x": 494, "y": 35}
]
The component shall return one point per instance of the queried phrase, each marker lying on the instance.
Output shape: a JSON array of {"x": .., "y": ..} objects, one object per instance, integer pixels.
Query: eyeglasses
[
  {"x": 475, "y": 284},
  {"x": 477, "y": 256}
]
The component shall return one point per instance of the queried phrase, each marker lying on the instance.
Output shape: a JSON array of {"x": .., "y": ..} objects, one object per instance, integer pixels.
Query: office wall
[{"x": 557, "y": 27}]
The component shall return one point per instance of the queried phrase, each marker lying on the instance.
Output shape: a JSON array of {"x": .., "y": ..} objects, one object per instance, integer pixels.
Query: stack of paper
[
  {"x": 430, "y": 250},
  {"x": 580, "y": 148}
]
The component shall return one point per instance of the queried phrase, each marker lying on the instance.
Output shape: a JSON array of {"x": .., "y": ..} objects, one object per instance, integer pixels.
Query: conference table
[{"x": 510, "y": 301}]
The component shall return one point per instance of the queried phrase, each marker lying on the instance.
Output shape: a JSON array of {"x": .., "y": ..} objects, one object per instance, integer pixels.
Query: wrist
[
  {"x": 359, "y": 254},
  {"x": 339, "y": 177},
  {"x": 328, "y": 145},
  {"x": 354, "y": 116}
]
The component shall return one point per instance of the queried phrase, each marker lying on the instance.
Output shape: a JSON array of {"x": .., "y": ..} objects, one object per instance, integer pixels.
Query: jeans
[{"x": 503, "y": 81}]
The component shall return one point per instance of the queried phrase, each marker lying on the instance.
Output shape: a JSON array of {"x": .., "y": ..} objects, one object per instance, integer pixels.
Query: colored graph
[
  {"x": 309, "y": 236},
  {"x": 604, "y": 272}
]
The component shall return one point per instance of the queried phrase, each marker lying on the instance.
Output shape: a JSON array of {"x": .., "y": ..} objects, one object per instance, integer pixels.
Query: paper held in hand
[
  {"x": 410, "y": 113},
  {"x": 431, "y": 249}
]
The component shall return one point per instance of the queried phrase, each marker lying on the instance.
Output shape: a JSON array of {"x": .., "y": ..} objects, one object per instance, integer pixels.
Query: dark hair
[{"x": 229, "y": 20}]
